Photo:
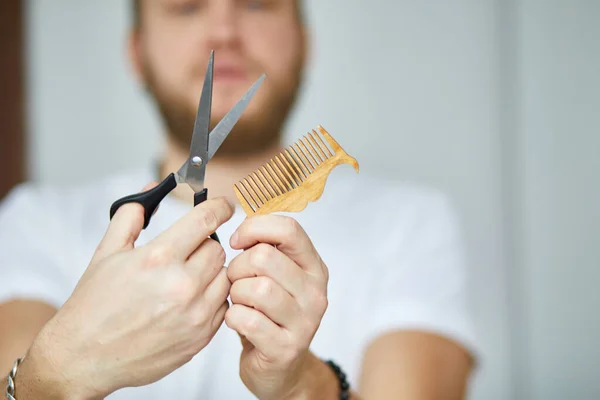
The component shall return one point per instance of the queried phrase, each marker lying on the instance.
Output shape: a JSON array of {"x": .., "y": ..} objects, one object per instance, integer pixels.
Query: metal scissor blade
[
  {"x": 219, "y": 134},
  {"x": 194, "y": 169}
]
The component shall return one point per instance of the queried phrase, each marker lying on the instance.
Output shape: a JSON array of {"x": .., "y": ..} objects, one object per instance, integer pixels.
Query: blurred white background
[{"x": 495, "y": 102}]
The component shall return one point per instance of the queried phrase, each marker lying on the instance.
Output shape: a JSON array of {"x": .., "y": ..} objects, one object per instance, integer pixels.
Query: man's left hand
[{"x": 279, "y": 296}]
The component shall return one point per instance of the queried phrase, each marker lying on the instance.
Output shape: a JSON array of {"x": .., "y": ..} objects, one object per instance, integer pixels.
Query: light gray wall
[
  {"x": 559, "y": 188},
  {"x": 492, "y": 101},
  {"x": 83, "y": 99}
]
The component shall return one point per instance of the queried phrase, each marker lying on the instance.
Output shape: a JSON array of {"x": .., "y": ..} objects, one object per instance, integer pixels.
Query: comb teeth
[{"x": 307, "y": 159}]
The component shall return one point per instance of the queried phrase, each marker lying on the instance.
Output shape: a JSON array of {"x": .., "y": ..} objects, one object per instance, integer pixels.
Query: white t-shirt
[{"x": 394, "y": 254}]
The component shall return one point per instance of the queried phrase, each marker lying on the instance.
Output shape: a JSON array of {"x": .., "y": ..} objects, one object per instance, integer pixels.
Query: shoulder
[
  {"x": 28, "y": 204},
  {"x": 58, "y": 208}
]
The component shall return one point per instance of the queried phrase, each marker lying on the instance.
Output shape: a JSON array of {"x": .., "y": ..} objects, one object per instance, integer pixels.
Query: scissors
[{"x": 203, "y": 147}]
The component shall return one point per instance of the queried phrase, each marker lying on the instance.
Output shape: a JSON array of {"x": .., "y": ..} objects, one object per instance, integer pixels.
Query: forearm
[{"x": 416, "y": 366}]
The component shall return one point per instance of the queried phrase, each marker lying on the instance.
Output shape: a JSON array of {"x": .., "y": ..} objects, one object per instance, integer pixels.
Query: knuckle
[
  {"x": 322, "y": 303},
  {"x": 325, "y": 304},
  {"x": 263, "y": 287},
  {"x": 216, "y": 252},
  {"x": 226, "y": 287},
  {"x": 231, "y": 271},
  {"x": 234, "y": 291},
  {"x": 159, "y": 256},
  {"x": 309, "y": 326},
  {"x": 221, "y": 257},
  {"x": 252, "y": 324},
  {"x": 292, "y": 228},
  {"x": 228, "y": 317},
  {"x": 326, "y": 273},
  {"x": 218, "y": 318},
  {"x": 322, "y": 299},
  {"x": 261, "y": 254},
  {"x": 208, "y": 218},
  {"x": 318, "y": 299},
  {"x": 223, "y": 203}
]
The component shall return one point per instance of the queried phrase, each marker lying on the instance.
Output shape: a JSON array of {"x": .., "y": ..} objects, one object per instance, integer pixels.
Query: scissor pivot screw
[{"x": 197, "y": 161}]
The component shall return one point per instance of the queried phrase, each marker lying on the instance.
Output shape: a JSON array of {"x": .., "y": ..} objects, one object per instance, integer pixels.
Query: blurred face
[{"x": 170, "y": 51}]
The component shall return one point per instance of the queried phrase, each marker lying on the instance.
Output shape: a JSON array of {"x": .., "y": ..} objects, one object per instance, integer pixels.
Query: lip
[{"x": 229, "y": 73}]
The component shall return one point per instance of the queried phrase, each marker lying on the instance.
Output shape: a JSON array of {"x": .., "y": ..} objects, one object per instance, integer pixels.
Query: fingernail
[{"x": 234, "y": 239}]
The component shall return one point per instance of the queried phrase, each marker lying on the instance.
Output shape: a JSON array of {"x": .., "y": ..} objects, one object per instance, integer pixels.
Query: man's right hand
[{"x": 136, "y": 314}]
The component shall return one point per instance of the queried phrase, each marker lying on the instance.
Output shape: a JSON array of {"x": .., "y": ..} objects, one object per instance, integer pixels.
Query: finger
[
  {"x": 283, "y": 232},
  {"x": 266, "y": 296},
  {"x": 123, "y": 229},
  {"x": 185, "y": 235},
  {"x": 265, "y": 260},
  {"x": 264, "y": 334},
  {"x": 220, "y": 316},
  {"x": 206, "y": 262},
  {"x": 217, "y": 291}
]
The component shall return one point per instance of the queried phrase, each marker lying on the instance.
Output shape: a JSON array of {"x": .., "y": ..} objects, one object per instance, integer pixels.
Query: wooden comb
[{"x": 294, "y": 177}]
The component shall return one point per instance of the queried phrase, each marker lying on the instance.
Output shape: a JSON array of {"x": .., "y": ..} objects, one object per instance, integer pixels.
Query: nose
[{"x": 223, "y": 30}]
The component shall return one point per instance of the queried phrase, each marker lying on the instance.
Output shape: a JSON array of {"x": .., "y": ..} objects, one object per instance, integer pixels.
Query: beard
[{"x": 251, "y": 134}]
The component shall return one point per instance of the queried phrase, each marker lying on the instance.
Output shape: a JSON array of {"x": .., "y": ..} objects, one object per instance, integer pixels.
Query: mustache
[{"x": 225, "y": 60}]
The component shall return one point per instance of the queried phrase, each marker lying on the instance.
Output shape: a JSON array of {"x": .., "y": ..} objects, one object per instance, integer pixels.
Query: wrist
[
  {"x": 42, "y": 375},
  {"x": 317, "y": 381},
  {"x": 34, "y": 381}
]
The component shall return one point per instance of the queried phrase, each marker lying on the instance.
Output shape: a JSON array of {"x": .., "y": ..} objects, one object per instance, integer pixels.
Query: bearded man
[{"x": 361, "y": 297}]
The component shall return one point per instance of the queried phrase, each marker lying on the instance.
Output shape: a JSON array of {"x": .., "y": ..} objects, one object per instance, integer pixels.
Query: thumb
[{"x": 123, "y": 230}]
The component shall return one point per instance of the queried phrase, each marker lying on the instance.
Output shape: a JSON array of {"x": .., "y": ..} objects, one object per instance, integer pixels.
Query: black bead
[{"x": 341, "y": 376}]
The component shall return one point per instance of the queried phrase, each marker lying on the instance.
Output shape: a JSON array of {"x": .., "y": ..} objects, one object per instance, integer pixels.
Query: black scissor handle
[
  {"x": 149, "y": 199},
  {"x": 201, "y": 197}
]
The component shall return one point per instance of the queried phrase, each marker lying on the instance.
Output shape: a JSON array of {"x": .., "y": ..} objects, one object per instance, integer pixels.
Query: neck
[{"x": 222, "y": 172}]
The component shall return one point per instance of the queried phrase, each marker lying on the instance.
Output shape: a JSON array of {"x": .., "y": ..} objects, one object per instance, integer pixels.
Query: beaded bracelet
[{"x": 344, "y": 385}]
